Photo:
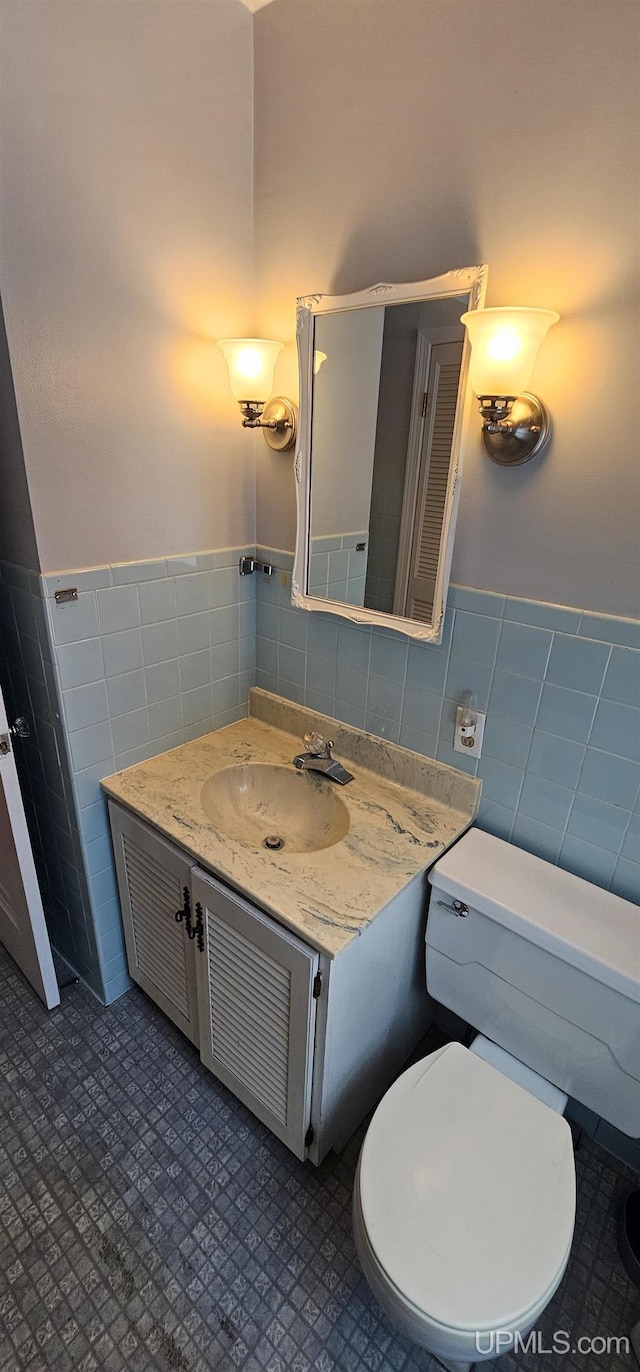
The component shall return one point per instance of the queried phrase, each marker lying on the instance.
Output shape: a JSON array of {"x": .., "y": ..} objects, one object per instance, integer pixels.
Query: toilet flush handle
[{"x": 457, "y": 907}]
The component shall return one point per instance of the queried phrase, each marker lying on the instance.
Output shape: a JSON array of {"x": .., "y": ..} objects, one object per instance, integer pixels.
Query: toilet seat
[{"x": 465, "y": 1198}]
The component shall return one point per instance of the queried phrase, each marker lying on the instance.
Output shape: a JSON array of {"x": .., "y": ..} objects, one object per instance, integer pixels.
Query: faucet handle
[{"x": 316, "y": 745}]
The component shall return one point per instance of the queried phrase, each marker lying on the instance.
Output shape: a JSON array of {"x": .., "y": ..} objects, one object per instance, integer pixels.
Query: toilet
[{"x": 464, "y": 1199}]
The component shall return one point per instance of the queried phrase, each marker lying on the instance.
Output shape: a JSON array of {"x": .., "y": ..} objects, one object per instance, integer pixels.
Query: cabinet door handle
[
  {"x": 185, "y": 912},
  {"x": 197, "y": 930}
]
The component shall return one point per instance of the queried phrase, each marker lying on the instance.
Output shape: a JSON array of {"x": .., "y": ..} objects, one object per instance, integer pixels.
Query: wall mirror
[{"x": 384, "y": 406}]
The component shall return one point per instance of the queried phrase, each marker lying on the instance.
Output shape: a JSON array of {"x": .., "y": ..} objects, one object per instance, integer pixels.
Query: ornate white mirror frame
[{"x": 469, "y": 281}]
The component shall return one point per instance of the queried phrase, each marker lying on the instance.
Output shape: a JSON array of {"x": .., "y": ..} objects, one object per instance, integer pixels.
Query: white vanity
[{"x": 297, "y": 971}]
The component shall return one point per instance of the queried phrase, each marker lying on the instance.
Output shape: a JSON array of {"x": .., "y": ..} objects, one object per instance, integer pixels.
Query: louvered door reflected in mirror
[{"x": 412, "y": 561}]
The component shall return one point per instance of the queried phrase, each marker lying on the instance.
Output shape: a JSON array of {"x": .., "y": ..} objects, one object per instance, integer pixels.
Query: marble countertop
[{"x": 404, "y": 810}]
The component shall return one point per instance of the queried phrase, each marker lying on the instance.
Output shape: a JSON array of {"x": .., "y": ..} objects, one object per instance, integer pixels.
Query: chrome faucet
[{"x": 318, "y": 758}]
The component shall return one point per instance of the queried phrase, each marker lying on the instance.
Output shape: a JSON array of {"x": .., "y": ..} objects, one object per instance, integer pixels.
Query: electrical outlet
[{"x": 464, "y": 739}]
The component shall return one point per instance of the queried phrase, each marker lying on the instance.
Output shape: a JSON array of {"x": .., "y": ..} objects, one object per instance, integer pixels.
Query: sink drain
[{"x": 273, "y": 842}]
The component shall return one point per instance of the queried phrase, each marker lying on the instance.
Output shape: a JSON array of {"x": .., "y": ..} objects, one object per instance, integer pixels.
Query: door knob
[{"x": 20, "y": 728}]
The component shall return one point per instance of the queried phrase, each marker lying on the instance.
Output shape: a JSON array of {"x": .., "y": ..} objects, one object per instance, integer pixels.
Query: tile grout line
[
  {"x": 586, "y": 747},
  {"x": 565, "y": 832}
]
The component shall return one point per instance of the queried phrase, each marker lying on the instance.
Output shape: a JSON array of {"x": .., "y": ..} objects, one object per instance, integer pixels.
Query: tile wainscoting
[
  {"x": 561, "y": 756},
  {"x": 150, "y": 655},
  {"x": 153, "y": 654},
  {"x": 338, "y": 566}
]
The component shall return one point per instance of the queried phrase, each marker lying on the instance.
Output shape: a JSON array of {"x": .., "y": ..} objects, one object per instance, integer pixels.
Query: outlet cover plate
[{"x": 475, "y": 748}]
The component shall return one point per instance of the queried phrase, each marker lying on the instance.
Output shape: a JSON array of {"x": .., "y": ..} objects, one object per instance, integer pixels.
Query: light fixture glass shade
[
  {"x": 251, "y": 362},
  {"x": 504, "y": 346}
]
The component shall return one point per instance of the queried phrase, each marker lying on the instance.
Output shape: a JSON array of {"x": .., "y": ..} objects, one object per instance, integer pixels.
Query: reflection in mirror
[
  {"x": 383, "y": 387},
  {"x": 380, "y": 452}
]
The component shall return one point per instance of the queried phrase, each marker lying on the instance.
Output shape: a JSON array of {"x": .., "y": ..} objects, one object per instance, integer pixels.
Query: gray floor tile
[{"x": 149, "y": 1222}]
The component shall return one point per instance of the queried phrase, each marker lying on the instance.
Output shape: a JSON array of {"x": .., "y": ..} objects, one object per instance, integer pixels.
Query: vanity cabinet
[
  {"x": 154, "y": 882},
  {"x": 308, "y": 1042},
  {"x": 256, "y": 985}
]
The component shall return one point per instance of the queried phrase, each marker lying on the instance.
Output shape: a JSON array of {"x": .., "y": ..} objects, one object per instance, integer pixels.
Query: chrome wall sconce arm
[
  {"x": 504, "y": 345},
  {"x": 515, "y": 428},
  {"x": 277, "y": 416}
]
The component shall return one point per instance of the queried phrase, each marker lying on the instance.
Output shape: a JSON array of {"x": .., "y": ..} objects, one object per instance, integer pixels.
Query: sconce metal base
[
  {"x": 281, "y": 417},
  {"x": 278, "y": 420},
  {"x": 522, "y": 436}
]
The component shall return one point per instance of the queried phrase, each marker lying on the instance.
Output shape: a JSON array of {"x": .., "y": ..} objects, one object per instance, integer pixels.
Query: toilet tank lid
[{"x": 592, "y": 929}]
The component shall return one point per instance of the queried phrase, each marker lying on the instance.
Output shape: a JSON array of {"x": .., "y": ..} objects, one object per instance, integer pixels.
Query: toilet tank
[{"x": 545, "y": 964}]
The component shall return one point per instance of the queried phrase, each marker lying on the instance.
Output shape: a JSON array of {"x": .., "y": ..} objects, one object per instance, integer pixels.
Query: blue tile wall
[
  {"x": 561, "y": 756},
  {"x": 337, "y": 569},
  {"x": 153, "y": 654},
  {"x": 149, "y": 656}
]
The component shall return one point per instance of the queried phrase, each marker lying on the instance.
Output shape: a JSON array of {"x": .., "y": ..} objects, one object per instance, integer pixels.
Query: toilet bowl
[{"x": 464, "y": 1205}]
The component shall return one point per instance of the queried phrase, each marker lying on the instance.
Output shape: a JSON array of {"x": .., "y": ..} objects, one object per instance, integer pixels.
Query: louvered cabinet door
[
  {"x": 152, "y": 879},
  {"x": 257, "y": 1009}
]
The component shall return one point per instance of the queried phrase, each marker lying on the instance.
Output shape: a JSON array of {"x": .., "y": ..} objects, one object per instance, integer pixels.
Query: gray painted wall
[
  {"x": 126, "y": 182},
  {"x": 435, "y": 135},
  {"x": 345, "y": 407}
]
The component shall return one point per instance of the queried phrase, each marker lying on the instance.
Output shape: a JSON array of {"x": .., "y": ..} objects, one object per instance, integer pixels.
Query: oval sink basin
[{"x": 278, "y": 808}]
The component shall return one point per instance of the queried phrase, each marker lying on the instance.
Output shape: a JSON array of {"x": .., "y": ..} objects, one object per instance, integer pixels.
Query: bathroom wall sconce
[
  {"x": 504, "y": 346},
  {"x": 251, "y": 362}
]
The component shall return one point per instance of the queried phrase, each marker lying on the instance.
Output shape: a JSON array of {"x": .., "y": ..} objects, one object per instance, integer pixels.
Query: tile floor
[{"x": 149, "y": 1222}]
